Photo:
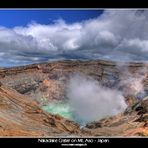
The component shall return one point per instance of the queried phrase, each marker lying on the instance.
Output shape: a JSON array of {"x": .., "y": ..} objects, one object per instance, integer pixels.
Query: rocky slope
[
  {"x": 20, "y": 116},
  {"x": 44, "y": 82},
  {"x": 24, "y": 89}
]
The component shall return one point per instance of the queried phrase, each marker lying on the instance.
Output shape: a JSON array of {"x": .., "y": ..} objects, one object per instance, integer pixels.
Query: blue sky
[
  {"x": 34, "y": 36},
  {"x": 12, "y": 18}
]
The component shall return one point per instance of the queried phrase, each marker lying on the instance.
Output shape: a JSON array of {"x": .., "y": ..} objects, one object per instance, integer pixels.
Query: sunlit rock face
[{"x": 21, "y": 116}]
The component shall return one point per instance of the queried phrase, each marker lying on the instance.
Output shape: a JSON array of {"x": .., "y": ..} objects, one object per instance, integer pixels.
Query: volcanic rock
[
  {"x": 45, "y": 82},
  {"x": 21, "y": 116}
]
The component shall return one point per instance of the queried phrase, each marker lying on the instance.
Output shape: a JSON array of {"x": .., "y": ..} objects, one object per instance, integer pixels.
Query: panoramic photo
[{"x": 73, "y": 73}]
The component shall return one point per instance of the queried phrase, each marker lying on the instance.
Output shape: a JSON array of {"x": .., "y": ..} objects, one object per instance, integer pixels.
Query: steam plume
[{"x": 90, "y": 101}]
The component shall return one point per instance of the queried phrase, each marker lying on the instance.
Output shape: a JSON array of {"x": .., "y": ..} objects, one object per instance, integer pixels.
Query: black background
[
  {"x": 117, "y": 142},
  {"x": 73, "y": 3}
]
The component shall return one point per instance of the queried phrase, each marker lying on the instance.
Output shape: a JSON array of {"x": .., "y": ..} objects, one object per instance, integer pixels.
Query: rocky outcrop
[{"x": 21, "y": 116}]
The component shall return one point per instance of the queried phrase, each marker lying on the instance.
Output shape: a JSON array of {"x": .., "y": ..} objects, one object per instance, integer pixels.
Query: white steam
[
  {"x": 90, "y": 101},
  {"x": 133, "y": 85},
  {"x": 132, "y": 82}
]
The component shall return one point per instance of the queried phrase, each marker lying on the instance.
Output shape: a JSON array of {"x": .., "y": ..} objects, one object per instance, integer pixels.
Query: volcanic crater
[{"x": 34, "y": 100}]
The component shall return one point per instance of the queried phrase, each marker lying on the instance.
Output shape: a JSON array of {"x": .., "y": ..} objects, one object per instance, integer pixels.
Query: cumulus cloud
[{"x": 116, "y": 34}]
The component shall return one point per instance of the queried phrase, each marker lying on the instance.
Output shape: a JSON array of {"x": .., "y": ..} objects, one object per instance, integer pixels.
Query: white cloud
[{"x": 117, "y": 34}]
